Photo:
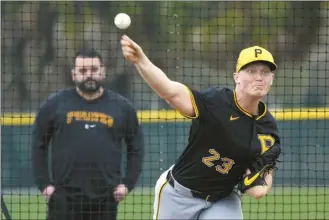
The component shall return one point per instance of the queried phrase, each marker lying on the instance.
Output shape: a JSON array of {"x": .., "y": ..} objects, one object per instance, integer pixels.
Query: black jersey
[
  {"x": 223, "y": 141},
  {"x": 86, "y": 142}
]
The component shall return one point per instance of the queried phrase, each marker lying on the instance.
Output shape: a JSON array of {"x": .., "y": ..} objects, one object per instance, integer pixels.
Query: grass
[{"x": 281, "y": 203}]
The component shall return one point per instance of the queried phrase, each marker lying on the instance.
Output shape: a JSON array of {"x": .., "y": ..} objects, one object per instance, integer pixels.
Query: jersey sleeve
[
  {"x": 276, "y": 134},
  {"x": 204, "y": 102},
  {"x": 42, "y": 132},
  {"x": 134, "y": 139},
  {"x": 272, "y": 130}
]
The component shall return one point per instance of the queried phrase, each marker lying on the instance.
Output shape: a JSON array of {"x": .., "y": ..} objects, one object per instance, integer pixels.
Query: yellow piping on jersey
[
  {"x": 159, "y": 198},
  {"x": 246, "y": 112},
  {"x": 195, "y": 107}
]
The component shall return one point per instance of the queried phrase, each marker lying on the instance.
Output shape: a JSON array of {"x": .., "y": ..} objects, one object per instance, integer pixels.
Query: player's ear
[
  {"x": 73, "y": 74},
  {"x": 236, "y": 77},
  {"x": 102, "y": 71},
  {"x": 272, "y": 78}
]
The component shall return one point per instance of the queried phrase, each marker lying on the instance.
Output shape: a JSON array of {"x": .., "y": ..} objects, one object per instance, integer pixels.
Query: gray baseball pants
[{"x": 178, "y": 203}]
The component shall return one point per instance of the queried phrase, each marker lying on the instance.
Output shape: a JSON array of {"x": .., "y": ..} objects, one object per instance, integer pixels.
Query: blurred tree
[
  {"x": 301, "y": 31},
  {"x": 190, "y": 41},
  {"x": 31, "y": 49},
  {"x": 156, "y": 35},
  {"x": 303, "y": 22},
  {"x": 46, "y": 20},
  {"x": 25, "y": 30}
]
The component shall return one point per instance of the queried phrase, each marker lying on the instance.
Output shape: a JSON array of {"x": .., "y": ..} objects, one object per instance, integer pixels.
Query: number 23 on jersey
[
  {"x": 224, "y": 168},
  {"x": 266, "y": 141}
]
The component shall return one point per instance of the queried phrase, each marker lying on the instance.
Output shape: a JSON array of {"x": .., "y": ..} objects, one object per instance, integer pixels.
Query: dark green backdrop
[{"x": 304, "y": 158}]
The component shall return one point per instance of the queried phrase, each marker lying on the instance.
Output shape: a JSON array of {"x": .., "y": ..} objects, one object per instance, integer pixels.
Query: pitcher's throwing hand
[{"x": 131, "y": 50}]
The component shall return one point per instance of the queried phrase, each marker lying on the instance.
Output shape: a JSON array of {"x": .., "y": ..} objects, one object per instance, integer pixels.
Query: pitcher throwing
[{"x": 233, "y": 142}]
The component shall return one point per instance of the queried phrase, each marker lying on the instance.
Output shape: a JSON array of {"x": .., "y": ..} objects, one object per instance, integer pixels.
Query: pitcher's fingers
[
  {"x": 125, "y": 37},
  {"x": 128, "y": 50},
  {"x": 130, "y": 42},
  {"x": 248, "y": 172},
  {"x": 125, "y": 43},
  {"x": 129, "y": 56}
]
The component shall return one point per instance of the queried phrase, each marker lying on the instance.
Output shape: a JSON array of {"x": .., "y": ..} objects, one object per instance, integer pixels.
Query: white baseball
[{"x": 122, "y": 21}]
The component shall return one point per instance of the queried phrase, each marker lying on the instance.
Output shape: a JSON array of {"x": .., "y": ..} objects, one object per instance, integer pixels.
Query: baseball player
[
  {"x": 85, "y": 127},
  {"x": 233, "y": 142}
]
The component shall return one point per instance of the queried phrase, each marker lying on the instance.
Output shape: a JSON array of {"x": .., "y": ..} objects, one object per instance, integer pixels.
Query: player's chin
[{"x": 259, "y": 93}]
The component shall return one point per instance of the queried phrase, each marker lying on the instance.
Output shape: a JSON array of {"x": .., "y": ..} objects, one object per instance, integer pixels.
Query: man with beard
[{"x": 86, "y": 126}]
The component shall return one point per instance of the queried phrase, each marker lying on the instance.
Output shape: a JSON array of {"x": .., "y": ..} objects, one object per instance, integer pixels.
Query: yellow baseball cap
[{"x": 254, "y": 54}]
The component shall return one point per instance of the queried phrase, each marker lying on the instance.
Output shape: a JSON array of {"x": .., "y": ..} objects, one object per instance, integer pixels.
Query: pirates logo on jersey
[{"x": 266, "y": 141}]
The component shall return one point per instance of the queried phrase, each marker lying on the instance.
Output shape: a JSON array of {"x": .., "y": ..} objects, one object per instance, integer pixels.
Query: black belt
[{"x": 200, "y": 195}]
